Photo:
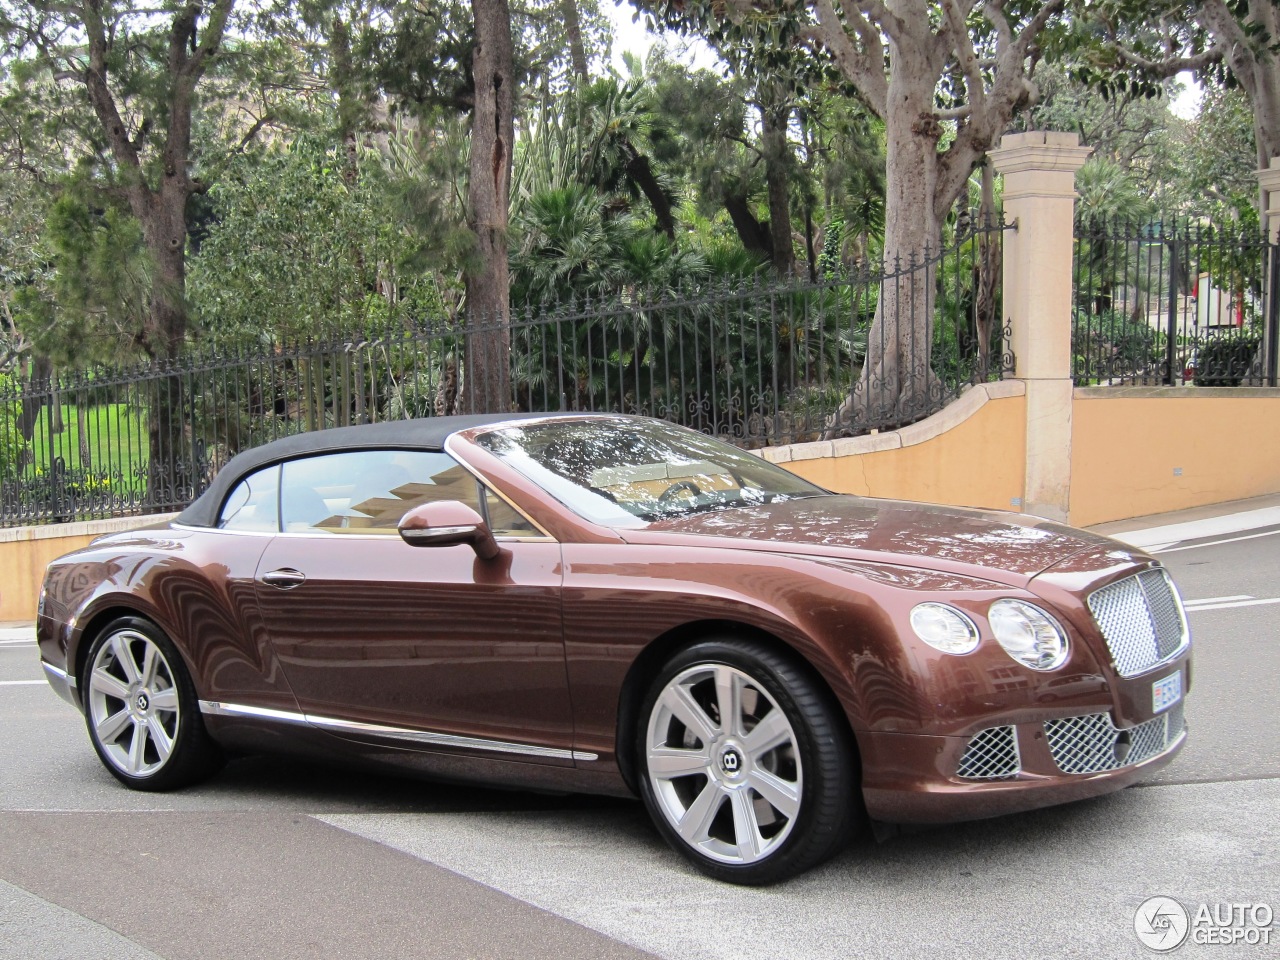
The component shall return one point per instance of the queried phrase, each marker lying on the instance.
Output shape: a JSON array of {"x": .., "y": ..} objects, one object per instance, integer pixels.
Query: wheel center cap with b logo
[
  {"x": 142, "y": 703},
  {"x": 731, "y": 761}
]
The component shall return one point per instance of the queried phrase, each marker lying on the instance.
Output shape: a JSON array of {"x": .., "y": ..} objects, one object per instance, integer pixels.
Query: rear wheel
[
  {"x": 744, "y": 765},
  {"x": 141, "y": 709}
]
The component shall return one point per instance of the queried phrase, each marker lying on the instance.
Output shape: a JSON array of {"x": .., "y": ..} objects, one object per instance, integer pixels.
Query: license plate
[{"x": 1165, "y": 693}]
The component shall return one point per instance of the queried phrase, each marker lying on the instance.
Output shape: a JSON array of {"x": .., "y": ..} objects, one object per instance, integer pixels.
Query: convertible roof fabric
[{"x": 428, "y": 433}]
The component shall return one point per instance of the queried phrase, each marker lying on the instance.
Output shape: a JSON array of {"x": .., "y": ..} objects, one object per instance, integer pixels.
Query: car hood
[{"x": 1002, "y": 547}]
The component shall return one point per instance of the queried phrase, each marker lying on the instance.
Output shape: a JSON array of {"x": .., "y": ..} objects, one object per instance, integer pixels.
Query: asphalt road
[{"x": 277, "y": 859}]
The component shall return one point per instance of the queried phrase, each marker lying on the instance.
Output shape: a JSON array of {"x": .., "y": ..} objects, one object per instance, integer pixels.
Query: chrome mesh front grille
[
  {"x": 1162, "y": 601},
  {"x": 1092, "y": 743},
  {"x": 1140, "y": 619},
  {"x": 991, "y": 755}
]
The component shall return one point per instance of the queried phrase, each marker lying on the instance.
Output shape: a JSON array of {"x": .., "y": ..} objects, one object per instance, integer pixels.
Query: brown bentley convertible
[{"x": 616, "y": 605}]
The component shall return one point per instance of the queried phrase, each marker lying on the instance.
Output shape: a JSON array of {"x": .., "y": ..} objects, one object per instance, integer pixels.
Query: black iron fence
[
  {"x": 759, "y": 363},
  {"x": 1174, "y": 303}
]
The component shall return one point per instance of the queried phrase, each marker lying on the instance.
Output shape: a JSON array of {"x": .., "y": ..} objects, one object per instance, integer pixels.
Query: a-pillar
[{"x": 1039, "y": 171}]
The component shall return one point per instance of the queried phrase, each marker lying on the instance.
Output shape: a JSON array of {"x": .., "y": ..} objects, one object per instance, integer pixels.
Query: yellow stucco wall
[
  {"x": 1128, "y": 447},
  {"x": 26, "y": 551},
  {"x": 978, "y": 462},
  {"x": 22, "y": 564}
]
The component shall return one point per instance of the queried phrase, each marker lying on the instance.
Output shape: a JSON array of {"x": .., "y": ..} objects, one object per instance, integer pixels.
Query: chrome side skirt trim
[
  {"x": 218, "y": 709},
  {"x": 215, "y": 708},
  {"x": 58, "y": 673}
]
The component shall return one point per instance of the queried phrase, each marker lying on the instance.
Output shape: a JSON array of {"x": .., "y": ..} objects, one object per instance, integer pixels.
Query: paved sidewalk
[{"x": 1215, "y": 520}]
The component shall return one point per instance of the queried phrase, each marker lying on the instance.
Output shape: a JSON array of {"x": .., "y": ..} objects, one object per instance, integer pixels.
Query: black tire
[
  {"x": 732, "y": 831},
  {"x": 147, "y": 731}
]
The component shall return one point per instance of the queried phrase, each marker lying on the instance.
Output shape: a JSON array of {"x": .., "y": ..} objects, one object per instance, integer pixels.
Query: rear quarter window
[{"x": 253, "y": 504}]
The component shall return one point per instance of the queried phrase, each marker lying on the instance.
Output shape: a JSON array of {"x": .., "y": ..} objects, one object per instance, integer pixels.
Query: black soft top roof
[{"x": 428, "y": 433}]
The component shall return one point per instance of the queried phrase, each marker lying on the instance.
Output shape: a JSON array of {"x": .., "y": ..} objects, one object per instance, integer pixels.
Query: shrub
[
  {"x": 1225, "y": 361},
  {"x": 1111, "y": 344}
]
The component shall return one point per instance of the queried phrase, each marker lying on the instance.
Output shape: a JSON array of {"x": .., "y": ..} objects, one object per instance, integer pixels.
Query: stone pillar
[
  {"x": 1039, "y": 171},
  {"x": 1269, "y": 181}
]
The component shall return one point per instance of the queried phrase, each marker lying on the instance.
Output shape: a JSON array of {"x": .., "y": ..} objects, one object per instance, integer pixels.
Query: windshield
[{"x": 621, "y": 472}]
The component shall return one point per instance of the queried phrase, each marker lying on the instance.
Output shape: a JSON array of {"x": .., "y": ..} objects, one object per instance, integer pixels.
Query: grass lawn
[{"x": 113, "y": 434}]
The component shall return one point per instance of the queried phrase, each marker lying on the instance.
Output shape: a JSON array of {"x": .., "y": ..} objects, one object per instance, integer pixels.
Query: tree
[
  {"x": 434, "y": 58},
  {"x": 488, "y": 207},
  {"x": 946, "y": 77},
  {"x": 771, "y": 74},
  {"x": 620, "y": 119},
  {"x": 139, "y": 71},
  {"x": 297, "y": 251},
  {"x": 1215, "y": 161},
  {"x": 1221, "y": 41},
  {"x": 1138, "y": 133}
]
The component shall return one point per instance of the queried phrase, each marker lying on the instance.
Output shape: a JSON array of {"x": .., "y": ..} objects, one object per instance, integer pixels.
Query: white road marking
[
  {"x": 1232, "y": 605},
  {"x": 1212, "y": 543},
  {"x": 89, "y": 810},
  {"x": 22, "y": 683},
  {"x": 17, "y": 643},
  {"x": 1203, "y": 600}
]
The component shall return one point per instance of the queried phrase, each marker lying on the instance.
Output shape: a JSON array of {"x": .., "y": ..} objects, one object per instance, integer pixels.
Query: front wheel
[
  {"x": 141, "y": 709},
  {"x": 745, "y": 766}
]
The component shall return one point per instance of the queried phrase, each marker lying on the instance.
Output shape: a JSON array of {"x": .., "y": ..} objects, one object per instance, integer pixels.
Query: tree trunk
[
  {"x": 750, "y": 231},
  {"x": 641, "y": 171},
  {"x": 774, "y": 116},
  {"x": 897, "y": 383},
  {"x": 573, "y": 32},
  {"x": 488, "y": 383},
  {"x": 165, "y": 231},
  {"x": 810, "y": 247},
  {"x": 164, "y": 228},
  {"x": 41, "y": 370},
  {"x": 987, "y": 266},
  {"x": 342, "y": 82}
]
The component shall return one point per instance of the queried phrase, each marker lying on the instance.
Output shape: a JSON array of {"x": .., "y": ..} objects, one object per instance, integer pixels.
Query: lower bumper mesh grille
[
  {"x": 1092, "y": 743},
  {"x": 991, "y": 755}
]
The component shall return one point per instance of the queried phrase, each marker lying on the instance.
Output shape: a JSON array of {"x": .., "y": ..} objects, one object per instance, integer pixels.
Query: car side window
[
  {"x": 254, "y": 503},
  {"x": 368, "y": 491},
  {"x": 505, "y": 520}
]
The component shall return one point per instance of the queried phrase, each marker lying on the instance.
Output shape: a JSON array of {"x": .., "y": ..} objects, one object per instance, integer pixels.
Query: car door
[{"x": 427, "y": 647}]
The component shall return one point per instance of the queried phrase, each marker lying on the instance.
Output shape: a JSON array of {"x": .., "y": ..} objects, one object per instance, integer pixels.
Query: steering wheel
[{"x": 680, "y": 486}]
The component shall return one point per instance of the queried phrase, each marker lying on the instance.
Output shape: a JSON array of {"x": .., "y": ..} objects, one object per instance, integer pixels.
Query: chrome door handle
[{"x": 286, "y": 578}]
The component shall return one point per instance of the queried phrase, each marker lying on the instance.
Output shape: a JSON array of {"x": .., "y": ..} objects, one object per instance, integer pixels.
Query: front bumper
[{"x": 910, "y": 778}]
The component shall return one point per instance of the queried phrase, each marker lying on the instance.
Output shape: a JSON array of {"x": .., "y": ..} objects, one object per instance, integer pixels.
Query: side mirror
[{"x": 445, "y": 524}]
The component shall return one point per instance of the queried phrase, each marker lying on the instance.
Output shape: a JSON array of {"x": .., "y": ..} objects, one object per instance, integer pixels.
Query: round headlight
[
  {"x": 944, "y": 628},
  {"x": 1028, "y": 634}
]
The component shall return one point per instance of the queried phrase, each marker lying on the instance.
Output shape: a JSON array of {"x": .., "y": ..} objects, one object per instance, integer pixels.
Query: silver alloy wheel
[
  {"x": 133, "y": 703},
  {"x": 724, "y": 763}
]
